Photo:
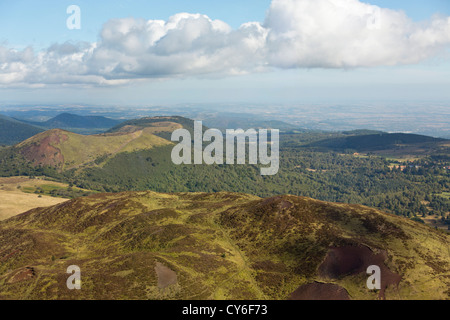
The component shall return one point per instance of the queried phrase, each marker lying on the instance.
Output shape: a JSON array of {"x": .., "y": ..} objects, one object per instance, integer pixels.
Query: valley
[{"x": 348, "y": 167}]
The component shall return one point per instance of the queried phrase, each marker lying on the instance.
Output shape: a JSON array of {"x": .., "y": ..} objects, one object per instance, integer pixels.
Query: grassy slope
[
  {"x": 221, "y": 246},
  {"x": 79, "y": 150}
]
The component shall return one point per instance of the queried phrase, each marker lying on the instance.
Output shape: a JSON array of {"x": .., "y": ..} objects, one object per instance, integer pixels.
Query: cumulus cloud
[
  {"x": 186, "y": 44},
  {"x": 295, "y": 34},
  {"x": 349, "y": 33}
]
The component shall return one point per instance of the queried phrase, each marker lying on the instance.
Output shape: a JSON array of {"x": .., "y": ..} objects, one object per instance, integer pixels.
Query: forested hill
[
  {"x": 80, "y": 124},
  {"x": 13, "y": 131},
  {"x": 380, "y": 141}
]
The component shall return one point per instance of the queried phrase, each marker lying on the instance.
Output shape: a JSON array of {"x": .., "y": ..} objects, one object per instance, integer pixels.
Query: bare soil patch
[
  {"x": 24, "y": 274},
  {"x": 44, "y": 153},
  {"x": 166, "y": 276},
  {"x": 320, "y": 291},
  {"x": 345, "y": 261}
]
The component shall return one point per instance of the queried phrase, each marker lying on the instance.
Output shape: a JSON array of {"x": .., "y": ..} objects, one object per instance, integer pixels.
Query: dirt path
[{"x": 243, "y": 263}]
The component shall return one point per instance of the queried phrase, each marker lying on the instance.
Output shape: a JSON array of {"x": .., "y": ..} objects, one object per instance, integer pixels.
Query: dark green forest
[{"x": 12, "y": 131}]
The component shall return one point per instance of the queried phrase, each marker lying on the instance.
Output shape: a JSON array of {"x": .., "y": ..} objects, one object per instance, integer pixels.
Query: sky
[{"x": 146, "y": 52}]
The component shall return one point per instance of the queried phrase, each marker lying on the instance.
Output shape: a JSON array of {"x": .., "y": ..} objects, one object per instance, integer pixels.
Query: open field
[
  {"x": 20, "y": 194},
  {"x": 435, "y": 222}
]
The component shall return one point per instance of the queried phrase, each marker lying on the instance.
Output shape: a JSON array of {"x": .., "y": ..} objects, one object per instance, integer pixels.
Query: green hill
[
  {"x": 376, "y": 142},
  {"x": 13, "y": 131},
  {"x": 146, "y": 245},
  {"x": 65, "y": 150}
]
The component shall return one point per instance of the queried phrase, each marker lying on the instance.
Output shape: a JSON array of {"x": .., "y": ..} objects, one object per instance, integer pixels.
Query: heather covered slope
[{"x": 146, "y": 245}]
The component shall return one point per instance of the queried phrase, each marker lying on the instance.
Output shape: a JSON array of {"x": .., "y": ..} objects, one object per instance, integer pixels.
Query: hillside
[
  {"x": 65, "y": 150},
  {"x": 146, "y": 245},
  {"x": 13, "y": 131},
  {"x": 383, "y": 143}
]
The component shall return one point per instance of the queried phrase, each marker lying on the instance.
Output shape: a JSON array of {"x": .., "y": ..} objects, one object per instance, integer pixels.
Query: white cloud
[
  {"x": 295, "y": 34},
  {"x": 186, "y": 44},
  {"x": 348, "y": 33}
]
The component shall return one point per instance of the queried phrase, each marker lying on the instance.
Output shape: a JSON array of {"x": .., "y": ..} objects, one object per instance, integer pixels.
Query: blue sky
[
  {"x": 25, "y": 22},
  {"x": 39, "y": 24}
]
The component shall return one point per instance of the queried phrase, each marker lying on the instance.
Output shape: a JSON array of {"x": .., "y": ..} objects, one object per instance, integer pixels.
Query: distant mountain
[
  {"x": 378, "y": 142},
  {"x": 190, "y": 246},
  {"x": 68, "y": 121},
  {"x": 361, "y": 132},
  {"x": 13, "y": 131}
]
